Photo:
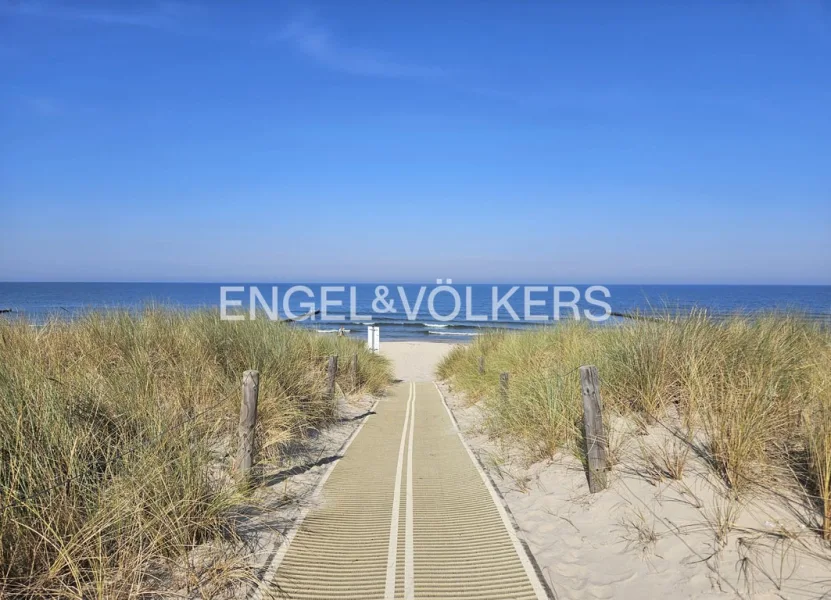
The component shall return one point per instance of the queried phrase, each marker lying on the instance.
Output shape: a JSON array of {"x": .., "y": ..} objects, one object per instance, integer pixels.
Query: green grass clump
[
  {"x": 544, "y": 407},
  {"x": 816, "y": 431},
  {"x": 116, "y": 432},
  {"x": 757, "y": 390}
]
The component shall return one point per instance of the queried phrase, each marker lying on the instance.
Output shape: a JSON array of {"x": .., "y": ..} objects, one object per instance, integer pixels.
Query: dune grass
[
  {"x": 754, "y": 393},
  {"x": 116, "y": 432}
]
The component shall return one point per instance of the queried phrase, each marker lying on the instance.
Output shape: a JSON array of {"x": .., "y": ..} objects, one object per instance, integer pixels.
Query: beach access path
[{"x": 406, "y": 512}]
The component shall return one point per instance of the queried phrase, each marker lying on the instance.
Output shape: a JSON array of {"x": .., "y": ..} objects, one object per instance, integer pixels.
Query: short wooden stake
[
  {"x": 595, "y": 436},
  {"x": 503, "y": 386},
  {"x": 353, "y": 371},
  {"x": 247, "y": 422},
  {"x": 481, "y": 365},
  {"x": 331, "y": 374}
]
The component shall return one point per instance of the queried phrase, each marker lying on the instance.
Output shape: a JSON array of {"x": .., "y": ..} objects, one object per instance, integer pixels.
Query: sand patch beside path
[{"x": 646, "y": 536}]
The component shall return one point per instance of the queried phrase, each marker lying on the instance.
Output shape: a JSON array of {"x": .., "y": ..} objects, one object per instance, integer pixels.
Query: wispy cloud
[
  {"x": 317, "y": 43},
  {"x": 162, "y": 15}
]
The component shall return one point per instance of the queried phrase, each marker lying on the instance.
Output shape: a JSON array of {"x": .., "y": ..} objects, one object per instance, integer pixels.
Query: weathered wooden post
[
  {"x": 503, "y": 387},
  {"x": 247, "y": 422},
  {"x": 331, "y": 374},
  {"x": 353, "y": 371},
  {"x": 481, "y": 365},
  {"x": 596, "y": 448}
]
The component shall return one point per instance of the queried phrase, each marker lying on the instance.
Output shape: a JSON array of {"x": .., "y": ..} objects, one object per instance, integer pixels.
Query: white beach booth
[{"x": 373, "y": 338}]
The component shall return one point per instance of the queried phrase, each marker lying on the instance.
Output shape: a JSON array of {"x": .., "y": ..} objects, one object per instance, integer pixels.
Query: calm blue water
[{"x": 38, "y": 302}]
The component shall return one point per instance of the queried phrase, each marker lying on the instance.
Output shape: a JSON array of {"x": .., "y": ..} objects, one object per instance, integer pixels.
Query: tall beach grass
[
  {"x": 753, "y": 394},
  {"x": 116, "y": 431}
]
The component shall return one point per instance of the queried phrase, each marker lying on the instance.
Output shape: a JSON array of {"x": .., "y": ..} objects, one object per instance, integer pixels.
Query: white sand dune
[{"x": 645, "y": 536}]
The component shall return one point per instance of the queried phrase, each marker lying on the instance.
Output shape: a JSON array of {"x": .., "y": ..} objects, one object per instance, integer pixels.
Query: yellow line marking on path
[
  {"x": 389, "y": 590},
  {"x": 452, "y": 539},
  {"x": 409, "y": 568}
]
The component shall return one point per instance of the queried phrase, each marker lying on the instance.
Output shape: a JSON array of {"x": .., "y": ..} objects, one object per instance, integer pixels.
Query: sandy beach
[{"x": 415, "y": 361}]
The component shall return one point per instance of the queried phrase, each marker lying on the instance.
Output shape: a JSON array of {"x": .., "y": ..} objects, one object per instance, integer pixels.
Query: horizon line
[{"x": 432, "y": 282}]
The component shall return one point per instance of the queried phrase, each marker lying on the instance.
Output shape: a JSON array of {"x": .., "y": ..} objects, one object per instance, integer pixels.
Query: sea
[{"x": 398, "y": 315}]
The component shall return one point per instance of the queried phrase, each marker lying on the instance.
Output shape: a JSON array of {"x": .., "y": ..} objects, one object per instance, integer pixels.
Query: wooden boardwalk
[{"x": 406, "y": 513}]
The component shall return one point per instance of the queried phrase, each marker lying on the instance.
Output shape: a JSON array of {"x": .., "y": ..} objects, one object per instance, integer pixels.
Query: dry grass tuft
[
  {"x": 752, "y": 395},
  {"x": 139, "y": 412}
]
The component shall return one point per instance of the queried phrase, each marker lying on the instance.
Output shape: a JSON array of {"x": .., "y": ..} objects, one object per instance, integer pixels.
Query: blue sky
[{"x": 595, "y": 142}]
